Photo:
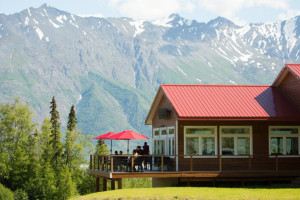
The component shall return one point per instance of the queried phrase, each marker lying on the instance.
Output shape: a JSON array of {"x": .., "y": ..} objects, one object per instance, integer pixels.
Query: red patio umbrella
[
  {"x": 107, "y": 136},
  {"x": 129, "y": 135}
]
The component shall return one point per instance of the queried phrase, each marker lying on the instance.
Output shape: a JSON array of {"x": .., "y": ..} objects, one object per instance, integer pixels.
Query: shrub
[{"x": 5, "y": 193}]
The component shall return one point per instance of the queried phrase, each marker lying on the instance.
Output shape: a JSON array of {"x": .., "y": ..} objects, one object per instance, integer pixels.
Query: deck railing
[{"x": 161, "y": 163}]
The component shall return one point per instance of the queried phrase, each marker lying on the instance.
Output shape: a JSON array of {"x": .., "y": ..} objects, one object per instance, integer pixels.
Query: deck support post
[
  {"x": 191, "y": 163},
  {"x": 91, "y": 162},
  {"x": 112, "y": 183},
  {"x": 276, "y": 160},
  {"x": 220, "y": 163},
  {"x": 97, "y": 184},
  {"x": 249, "y": 163},
  {"x": 104, "y": 184},
  {"x": 119, "y": 183}
]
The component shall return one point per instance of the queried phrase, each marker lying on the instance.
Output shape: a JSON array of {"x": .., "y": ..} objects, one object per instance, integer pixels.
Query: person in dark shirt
[{"x": 146, "y": 149}]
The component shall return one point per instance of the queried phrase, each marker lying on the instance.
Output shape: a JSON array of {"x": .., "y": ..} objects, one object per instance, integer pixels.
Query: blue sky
[{"x": 239, "y": 11}]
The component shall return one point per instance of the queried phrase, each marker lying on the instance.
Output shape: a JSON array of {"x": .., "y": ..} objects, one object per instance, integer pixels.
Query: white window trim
[
  {"x": 172, "y": 137},
  {"x": 156, "y": 136},
  {"x": 164, "y": 138},
  {"x": 235, "y": 136},
  {"x": 284, "y": 141},
  {"x": 160, "y": 132},
  {"x": 200, "y": 136}
]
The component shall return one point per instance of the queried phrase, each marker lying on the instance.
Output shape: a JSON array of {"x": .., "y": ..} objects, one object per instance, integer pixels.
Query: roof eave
[
  {"x": 154, "y": 106},
  {"x": 240, "y": 118}
]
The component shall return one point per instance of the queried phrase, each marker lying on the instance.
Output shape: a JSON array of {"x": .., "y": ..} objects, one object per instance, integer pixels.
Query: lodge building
[{"x": 225, "y": 132}]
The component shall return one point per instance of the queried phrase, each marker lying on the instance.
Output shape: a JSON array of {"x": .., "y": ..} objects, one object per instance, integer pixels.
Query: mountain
[{"x": 110, "y": 68}]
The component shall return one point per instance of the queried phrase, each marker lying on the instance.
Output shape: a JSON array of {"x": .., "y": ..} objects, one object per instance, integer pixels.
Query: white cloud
[
  {"x": 229, "y": 8},
  {"x": 154, "y": 9},
  {"x": 147, "y": 9},
  {"x": 91, "y": 15},
  {"x": 290, "y": 13}
]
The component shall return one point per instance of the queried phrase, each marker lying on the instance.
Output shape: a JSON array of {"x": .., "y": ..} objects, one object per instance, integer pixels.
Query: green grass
[{"x": 202, "y": 193}]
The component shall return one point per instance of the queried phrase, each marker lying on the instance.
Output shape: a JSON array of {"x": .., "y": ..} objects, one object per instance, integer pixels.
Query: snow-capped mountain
[{"x": 111, "y": 67}]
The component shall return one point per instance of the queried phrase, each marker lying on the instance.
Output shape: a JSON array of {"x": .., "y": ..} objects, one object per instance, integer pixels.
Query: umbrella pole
[
  {"x": 128, "y": 147},
  {"x": 110, "y": 146}
]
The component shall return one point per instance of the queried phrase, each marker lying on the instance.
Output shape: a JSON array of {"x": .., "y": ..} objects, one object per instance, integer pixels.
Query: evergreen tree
[
  {"x": 71, "y": 137},
  {"x": 72, "y": 121},
  {"x": 101, "y": 148},
  {"x": 55, "y": 135}
]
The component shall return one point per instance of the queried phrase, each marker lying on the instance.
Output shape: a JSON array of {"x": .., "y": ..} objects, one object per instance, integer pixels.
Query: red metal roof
[
  {"x": 294, "y": 68},
  {"x": 229, "y": 101}
]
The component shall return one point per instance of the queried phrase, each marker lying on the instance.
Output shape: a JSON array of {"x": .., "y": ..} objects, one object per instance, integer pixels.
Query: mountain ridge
[{"x": 111, "y": 67}]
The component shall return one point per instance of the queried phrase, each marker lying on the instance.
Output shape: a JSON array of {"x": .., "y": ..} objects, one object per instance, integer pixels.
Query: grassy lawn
[{"x": 201, "y": 193}]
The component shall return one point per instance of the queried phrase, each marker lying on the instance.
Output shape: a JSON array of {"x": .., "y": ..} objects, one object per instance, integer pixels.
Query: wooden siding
[
  {"x": 171, "y": 121},
  {"x": 290, "y": 86},
  {"x": 260, "y": 138}
]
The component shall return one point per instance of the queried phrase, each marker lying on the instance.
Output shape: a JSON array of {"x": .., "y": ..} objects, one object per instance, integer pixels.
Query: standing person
[
  {"x": 147, "y": 159},
  {"x": 146, "y": 149}
]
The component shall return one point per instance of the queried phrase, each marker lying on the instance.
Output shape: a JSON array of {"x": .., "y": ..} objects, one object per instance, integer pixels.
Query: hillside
[{"x": 110, "y": 68}]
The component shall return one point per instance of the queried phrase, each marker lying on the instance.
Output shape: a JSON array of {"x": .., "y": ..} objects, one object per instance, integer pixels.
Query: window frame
[
  {"x": 200, "y": 136},
  {"x": 284, "y": 136},
  {"x": 165, "y": 138},
  {"x": 235, "y": 140}
]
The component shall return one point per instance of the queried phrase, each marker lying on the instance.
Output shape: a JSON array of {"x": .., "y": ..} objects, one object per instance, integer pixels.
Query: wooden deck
[{"x": 199, "y": 174}]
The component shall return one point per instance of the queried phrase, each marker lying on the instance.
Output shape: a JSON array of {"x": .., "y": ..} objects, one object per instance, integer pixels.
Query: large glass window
[
  {"x": 236, "y": 140},
  {"x": 164, "y": 140},
  {"x": 200, "y": 140},
  {"x": 284, "y": 140},
  {"x": 159, "y": 147}
]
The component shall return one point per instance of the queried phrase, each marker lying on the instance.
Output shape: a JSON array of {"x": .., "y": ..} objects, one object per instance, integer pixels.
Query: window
[
  {"x": 159, "y": 147},
  {"x": 200, "y": 140},
  {"x": 236, "y": 140},
  {"x": 284, "y": 140},
  {"x": 164, "y": 140},
  {"x": 171, "y": 141},
  {"x": 156, "y": 132}
]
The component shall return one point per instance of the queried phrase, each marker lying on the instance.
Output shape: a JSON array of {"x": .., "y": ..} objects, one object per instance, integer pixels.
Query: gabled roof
[
  {"x": 288, "y": 68},
  {"x": 221, "y": 102}
]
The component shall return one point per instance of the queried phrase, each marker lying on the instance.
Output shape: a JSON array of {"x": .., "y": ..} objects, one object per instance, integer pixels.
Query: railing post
[
  {"x": 91, "y": 162},
  {"x": 249, "y": 163},
  {"x": 132, "y": 163},
  {"x": 102, "y": 163},
  {"x": 106, "y": 164},
  {"x": 111, "y": 164},
  {"x": 98, "y": 163},
  {"x": 94, "y": 162},
  {"x": 276, "y": 162},
  {"x": 220, "y": 163},
  {"x": 191, "y": 162},
  {"x": 162, "y": 163}
]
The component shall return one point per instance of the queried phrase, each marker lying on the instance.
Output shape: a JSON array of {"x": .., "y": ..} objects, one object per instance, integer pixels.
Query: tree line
[{"x": 39, "y": 162}]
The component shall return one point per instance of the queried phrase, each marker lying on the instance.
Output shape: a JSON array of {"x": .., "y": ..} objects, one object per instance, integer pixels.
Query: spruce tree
[
  {"x": 72, "y": 121},
  {"x": 55, "y": 134},
  {"x": 71, "y": 137}
]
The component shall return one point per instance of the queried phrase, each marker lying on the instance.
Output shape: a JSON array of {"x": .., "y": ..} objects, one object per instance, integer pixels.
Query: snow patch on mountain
[
  {"x": 35, "y": 21},
  {"x": 165, "y": 22},
  {"x": 60, "y": 18},
  {"x": 28, "y": 10},
  {"x": 139, "y": 27},
  {"x": 26, "y": 21},
  {"x": 46, "y": 12},
  {"x": 290, "y": 35},
  {"x": 179, "y": 52},
  {"x": 55, "y": 25},
  {"x": 181, "y": 71},
  {"x": 39, "y": 32}
]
